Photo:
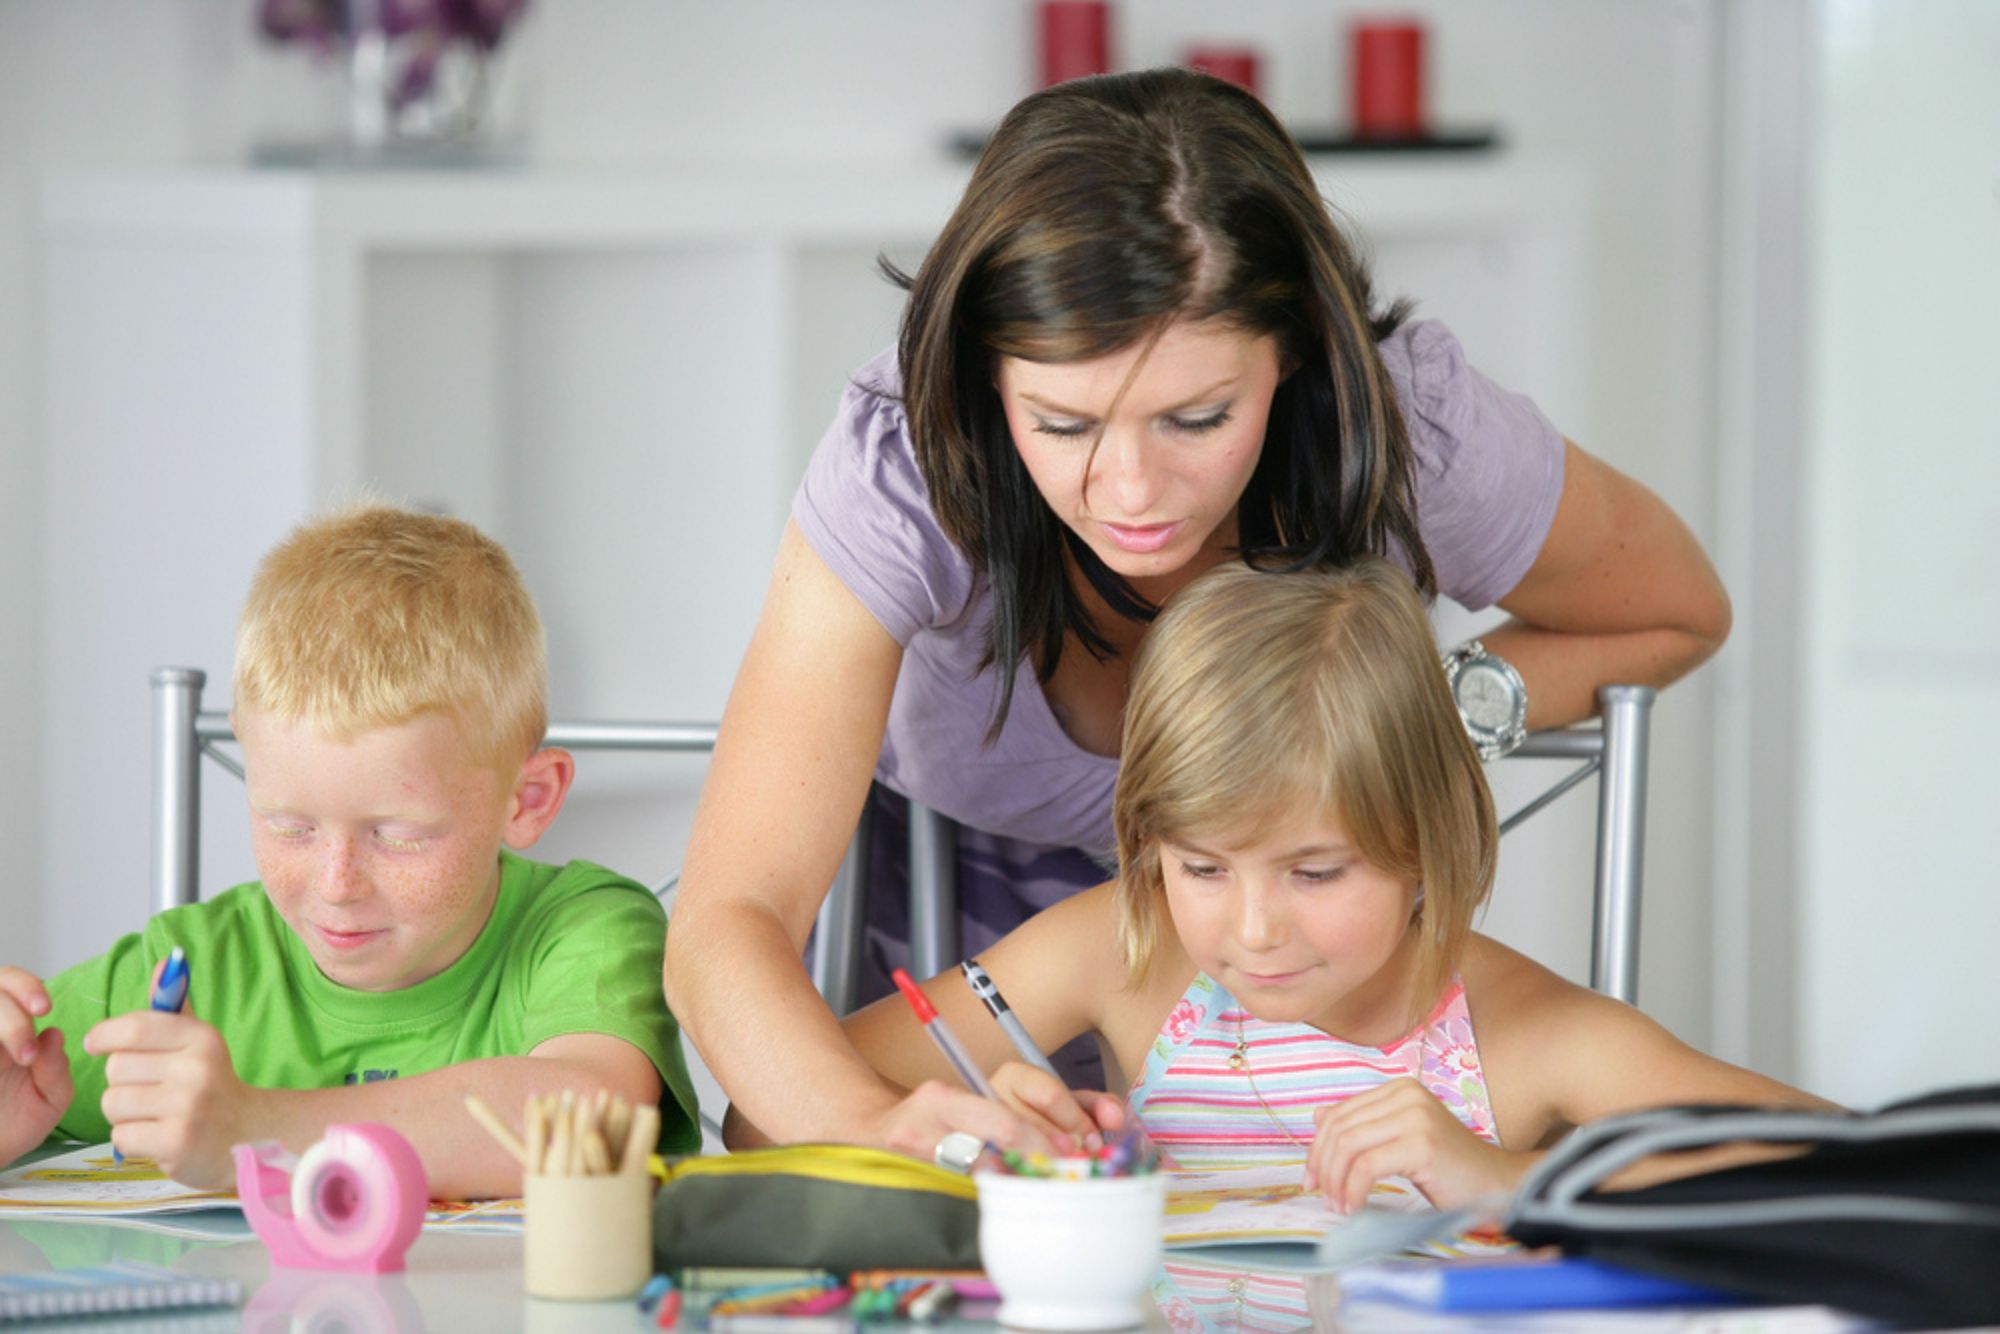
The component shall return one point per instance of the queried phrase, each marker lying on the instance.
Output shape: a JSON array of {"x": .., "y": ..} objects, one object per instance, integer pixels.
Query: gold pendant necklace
[{"x": 1239, "y": 1059}]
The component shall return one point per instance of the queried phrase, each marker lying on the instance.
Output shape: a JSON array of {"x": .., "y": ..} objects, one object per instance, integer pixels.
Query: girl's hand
[
  {"x": 934, "y": 1109},
  {"x": 172, "y": 1094},
  {"x": 1073, "y": 1121},
  {"x": 1399, "y": 1129}
]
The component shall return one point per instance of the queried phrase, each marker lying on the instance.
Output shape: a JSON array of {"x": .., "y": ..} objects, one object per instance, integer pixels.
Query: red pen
[{"x": 946, "y": 1040}]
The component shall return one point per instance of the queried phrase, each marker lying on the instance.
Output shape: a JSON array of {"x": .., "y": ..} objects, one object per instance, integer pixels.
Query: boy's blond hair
[
  {"x": 374, "y": 615},
  {"x": 1257, "y": 695}
]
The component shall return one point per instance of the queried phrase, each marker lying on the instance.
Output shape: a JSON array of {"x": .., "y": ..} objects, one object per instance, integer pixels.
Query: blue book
[{"x": 1521, "y": 1284}]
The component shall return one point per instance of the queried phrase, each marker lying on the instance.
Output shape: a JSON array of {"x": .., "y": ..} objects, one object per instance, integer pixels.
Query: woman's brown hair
[{"x": 1101, "y": 210}]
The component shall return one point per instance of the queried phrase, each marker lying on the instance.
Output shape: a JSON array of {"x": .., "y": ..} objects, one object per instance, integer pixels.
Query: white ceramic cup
[{"x": 1071, "y": 1254}]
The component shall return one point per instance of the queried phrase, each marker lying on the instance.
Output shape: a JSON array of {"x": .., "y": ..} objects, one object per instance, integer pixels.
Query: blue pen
[
  {"x": 169, "y": 994},
  {"x": 1003, "y": 1014}
]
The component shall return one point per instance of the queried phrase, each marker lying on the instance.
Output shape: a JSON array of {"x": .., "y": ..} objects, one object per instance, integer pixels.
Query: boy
[{"x": 390, "y": 699}]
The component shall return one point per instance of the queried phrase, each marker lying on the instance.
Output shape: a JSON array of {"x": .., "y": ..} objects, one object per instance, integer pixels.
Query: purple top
[{"x": 1489, "y": 472}]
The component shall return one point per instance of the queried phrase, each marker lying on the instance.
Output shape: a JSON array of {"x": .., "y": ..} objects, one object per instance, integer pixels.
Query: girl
[{"x": 1285, "y": 965}]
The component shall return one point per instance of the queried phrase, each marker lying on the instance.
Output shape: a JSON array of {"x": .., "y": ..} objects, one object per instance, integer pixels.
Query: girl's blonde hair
[
  {"x": 1257, "y": 695},
  {"x": 375, "y": 615}
]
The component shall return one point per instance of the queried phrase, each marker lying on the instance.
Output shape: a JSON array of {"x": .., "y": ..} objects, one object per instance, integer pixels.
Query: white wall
[
  {"x": 80, "y": 84},
  {"x": 1901, "y": 653},
  {"x": 1625, "y": 92}
]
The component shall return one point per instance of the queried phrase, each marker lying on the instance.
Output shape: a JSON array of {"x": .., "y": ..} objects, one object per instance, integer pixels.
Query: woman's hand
[
  {"x": 918, "y": 1123},
  {"x": 1399, "y": 1129},
  {"x": 1074, "y": 1121}
]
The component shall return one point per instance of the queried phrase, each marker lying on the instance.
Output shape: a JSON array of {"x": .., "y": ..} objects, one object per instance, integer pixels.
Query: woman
[{"x": 1139, "y": 348}]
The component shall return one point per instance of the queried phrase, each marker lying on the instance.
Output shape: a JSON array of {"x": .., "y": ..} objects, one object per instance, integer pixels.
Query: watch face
[{"x": 1485, "y": 696}]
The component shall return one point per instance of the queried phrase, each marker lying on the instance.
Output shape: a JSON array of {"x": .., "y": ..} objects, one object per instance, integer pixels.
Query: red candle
[
  {"x": 1388, "y": 78},
  {"x": 1237, "y": 64},
  {"x": 1076, "y": 39}
]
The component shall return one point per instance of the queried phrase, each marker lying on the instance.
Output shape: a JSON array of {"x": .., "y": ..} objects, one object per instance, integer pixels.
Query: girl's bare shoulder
[{"x": 1514, "y": 999}]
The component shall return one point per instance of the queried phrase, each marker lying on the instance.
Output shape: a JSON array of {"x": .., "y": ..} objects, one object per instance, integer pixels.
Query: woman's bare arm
[
  {"x": 1621, "y": 594},
  {"x": 792, "y": 764}
]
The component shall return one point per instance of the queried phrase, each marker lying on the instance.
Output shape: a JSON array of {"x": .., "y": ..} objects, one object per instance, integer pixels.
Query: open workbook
[
  {"x": 1267, "y": 1208},
  {"x": 90, "y": 1183}
]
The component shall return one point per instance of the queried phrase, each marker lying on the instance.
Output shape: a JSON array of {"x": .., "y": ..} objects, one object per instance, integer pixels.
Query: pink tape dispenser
[{"x": 355, "y": 1201}]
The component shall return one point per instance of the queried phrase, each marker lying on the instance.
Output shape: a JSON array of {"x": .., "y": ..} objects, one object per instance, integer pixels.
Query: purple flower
[{"x": 320, "y": 23}]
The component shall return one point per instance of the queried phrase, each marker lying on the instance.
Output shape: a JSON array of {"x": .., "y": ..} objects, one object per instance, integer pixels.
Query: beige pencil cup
[{"x": 590, "y": 1238}]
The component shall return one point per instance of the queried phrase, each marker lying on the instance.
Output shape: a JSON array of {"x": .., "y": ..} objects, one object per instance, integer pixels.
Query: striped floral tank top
[{"x": 1204, "y": 1109}]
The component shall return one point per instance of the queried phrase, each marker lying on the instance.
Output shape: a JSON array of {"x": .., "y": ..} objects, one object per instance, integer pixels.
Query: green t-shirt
[{"x": 572, "y": 949}]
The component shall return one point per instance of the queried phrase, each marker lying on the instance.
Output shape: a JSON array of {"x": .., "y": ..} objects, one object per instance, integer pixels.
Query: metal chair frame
[{"x": 1616, "y": 751}]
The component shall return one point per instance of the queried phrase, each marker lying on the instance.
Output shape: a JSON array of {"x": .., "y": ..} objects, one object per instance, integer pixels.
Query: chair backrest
[
  {"x": 1616, "y": 752},
  {"x": 183, "y": 733}
]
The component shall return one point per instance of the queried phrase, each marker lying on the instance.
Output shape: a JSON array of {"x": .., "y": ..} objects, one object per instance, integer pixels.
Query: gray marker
[{"x": 996, "y": 1005}]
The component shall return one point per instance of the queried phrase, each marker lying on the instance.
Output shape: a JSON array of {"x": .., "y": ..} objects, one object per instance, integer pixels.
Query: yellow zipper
[{"x": 852, "y": 1164}]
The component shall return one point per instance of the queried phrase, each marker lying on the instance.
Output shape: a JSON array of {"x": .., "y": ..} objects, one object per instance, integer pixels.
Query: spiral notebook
[{"x": 110, "y": 1289}]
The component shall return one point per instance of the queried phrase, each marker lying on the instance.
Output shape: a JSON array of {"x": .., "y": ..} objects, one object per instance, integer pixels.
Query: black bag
[{"x": 1893, "y": 1214}]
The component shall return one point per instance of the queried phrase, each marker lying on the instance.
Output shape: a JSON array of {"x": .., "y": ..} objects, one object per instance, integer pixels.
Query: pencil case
[{"x": 823, "y": 1206}]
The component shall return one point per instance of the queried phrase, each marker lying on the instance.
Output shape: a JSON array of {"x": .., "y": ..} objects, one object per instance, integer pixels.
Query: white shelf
[
  {"x": 456, "y": 211},
  {"x": 861, "y": 204}
]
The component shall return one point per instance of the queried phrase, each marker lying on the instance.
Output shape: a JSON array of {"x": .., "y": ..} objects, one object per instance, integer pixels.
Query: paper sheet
[{"x": 88, "y": 1183}]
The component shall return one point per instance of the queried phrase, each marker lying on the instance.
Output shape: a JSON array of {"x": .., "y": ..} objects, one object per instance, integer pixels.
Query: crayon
[
  {"x": 932, "y": 1302},
  {"x": 169, "y": 995},
  {"x": 830, "y": 1300},
  {"x": 711, "y": 1279}
]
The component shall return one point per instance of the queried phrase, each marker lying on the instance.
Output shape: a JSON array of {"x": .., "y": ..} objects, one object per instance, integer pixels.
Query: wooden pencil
[
  {"x": 495, "y": 1127},
  {"x": 617, "y": 1124},
  {"x": 596, "y": 1158},
  {"x": 559, "y": 1138},
  {"x": 538, "y": 1135},
  {"x": 639, "y": 1142}
]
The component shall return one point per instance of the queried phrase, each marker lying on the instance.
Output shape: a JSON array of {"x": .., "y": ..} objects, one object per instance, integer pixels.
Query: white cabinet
[{"x": 620, "y": 378}]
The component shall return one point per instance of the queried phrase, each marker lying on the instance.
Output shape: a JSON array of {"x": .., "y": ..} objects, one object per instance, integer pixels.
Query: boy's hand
[
  {"x": 1073, "y": 1121},
  {"x": 1399, "y": 1129},
  {"x": 172, "y": 1095},
  {"x": 34, "y": 1071}
]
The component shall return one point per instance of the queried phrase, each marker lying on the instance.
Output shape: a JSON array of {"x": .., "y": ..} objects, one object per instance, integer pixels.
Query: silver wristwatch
[{"x": 1491, "y": 698}]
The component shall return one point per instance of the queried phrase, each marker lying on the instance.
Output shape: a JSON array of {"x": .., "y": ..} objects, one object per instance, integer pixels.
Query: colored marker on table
[
  {"x": 1003, "y": 1014},
  {"x": 946, "y": 1040},
  {"x": 169, "y": 994}
]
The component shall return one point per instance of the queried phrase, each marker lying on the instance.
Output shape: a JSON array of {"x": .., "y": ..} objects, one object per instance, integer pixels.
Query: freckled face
[
  {"x": 1298, "y": 925},
  {"x": 1169, "y": 464},
  {"x": 378, "y": 852}
]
